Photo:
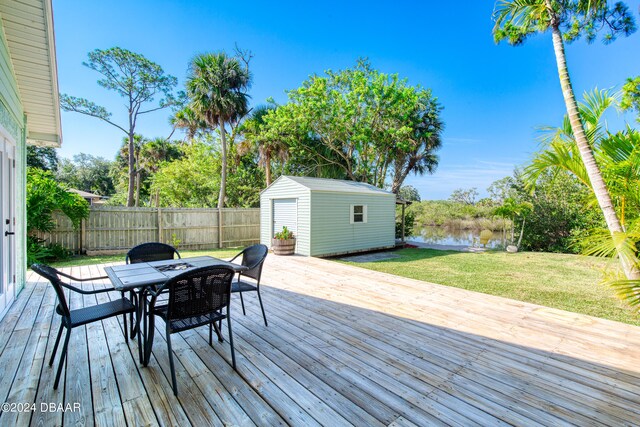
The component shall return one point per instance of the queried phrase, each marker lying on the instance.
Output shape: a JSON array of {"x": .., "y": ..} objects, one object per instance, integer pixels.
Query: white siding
[
  {"x": 333, "y": 232},
  {"x": 284, "y": 188}
]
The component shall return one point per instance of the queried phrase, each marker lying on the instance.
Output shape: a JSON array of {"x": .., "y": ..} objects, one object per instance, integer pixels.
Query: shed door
[{"x": 285, "y": 213}]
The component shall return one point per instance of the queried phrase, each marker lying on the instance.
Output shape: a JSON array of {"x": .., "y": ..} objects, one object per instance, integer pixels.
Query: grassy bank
[
  {"x": 102, "y": 259},
  {"x": 567, "y": 282}
]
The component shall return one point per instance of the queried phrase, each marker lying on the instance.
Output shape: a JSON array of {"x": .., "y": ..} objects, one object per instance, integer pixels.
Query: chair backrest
[
  {"x": 253, "y": 257},
  {"x": 198, "y": 292},
  {"x": 51, "y": 274},
  {"x": 153, "y": 251}
]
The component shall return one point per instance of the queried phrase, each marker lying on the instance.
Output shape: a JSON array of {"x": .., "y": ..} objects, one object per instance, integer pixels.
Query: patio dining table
[{"x": 141, "y": 276}]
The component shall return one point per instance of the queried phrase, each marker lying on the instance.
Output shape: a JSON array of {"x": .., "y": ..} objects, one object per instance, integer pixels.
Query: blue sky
[{"x": 494, "y": 96}]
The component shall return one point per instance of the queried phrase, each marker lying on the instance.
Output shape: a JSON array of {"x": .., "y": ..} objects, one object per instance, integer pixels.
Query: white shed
[{"x": 328, "y": 216}]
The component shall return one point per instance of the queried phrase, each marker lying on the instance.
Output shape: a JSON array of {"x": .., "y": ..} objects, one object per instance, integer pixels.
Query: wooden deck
[{"x": 344, "y": 346}]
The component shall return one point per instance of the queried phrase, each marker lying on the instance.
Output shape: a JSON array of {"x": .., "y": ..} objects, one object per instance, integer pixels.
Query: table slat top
[{"x": 130, "y": 276}]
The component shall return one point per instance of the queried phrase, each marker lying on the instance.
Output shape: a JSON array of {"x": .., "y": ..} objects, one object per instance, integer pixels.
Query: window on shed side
[{"x": 358, "y": 214}]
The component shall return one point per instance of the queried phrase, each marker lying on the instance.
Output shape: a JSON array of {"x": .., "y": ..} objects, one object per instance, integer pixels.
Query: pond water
[{"x": 448, "y": 236}]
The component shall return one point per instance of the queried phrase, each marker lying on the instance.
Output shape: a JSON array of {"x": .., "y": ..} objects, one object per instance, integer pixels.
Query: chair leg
[
  {"x": 242, "y": 302},
  {"x": 140, "y": 314},
  {"x": 62, "y": 358},
  {"x": 55, "y": 347},
  {"x": 211, "y": 334},
  {"x": 264, "y": 316},
  {"x": 218, "y": 332},
  {"x": 149, "y": 339},
  {"x": 134, "y": 325},
  {"x": 171, "y": 365},
  {"x": 126, "y": 332},
  {"x": 233, "y": 353}
]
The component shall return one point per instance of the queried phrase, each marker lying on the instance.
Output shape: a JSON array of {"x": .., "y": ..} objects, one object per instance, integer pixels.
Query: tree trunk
[
  {"x": 223, "y": 174},
  {"x": 138, "y": 189},
  {"x": 521, "y": 232},
  {"x": 595, "y": 176},
  {"x": 267, "y": 168},
  {"x": 132, "y": 171}
]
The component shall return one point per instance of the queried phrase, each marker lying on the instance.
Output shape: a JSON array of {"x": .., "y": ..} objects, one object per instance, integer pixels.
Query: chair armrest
[
  {"x": 84, "y": 292},
  {"x": 81, "y": 280},
  {"x": 233, "y": 259}
]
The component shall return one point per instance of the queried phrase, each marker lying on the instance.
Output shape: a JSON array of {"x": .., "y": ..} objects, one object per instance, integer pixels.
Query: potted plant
[{"x": 283, "y": 242}]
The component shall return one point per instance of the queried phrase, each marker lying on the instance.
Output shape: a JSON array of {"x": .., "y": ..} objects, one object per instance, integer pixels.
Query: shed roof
[
  {"x": 28, "y": 26},
  {"x": 86, "y": 194},
  {"x": 336, "y": 185}
]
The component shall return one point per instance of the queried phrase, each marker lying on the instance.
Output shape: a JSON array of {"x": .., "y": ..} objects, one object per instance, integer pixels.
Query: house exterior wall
[
  {"x": 331, "y": 228},
  {"x": 13, "y": 121},
  {"x": 285, "y": 188}
]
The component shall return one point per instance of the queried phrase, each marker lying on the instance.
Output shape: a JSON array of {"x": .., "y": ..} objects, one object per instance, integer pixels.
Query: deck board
[{"x": 344, "y": 346}]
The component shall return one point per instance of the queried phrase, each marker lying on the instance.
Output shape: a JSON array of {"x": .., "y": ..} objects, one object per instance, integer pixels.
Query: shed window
[{"x": 358, "y": 214}]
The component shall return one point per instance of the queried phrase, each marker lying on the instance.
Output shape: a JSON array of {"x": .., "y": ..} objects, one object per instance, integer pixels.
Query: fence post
[
  {"x": 83, "y": 235},
  {"x": 220, "y": 228},
  {"x": 159, "y": 225}
]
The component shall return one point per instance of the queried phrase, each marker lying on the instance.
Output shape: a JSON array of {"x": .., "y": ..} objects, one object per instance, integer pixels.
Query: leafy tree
[
  {"x": 152, "y": 155},
  {"x": 516, "y": 212},
  {"x": 563, "y": 213},
  {"x": 409, "y": 193},
  {"x": 464, "y": 196},
  {"x": 246, "y": 178},
  {"x": 631, "y": 96},
  {"x": 502, "y": 189},
  {"x": 361, "y": 124},
  {"x": 516, "y": 20},
  {"x": 87, "y": 173},
  {"x": 44, "y": 196},
  {"x": 217, "y": 88},
  {"x": 191, "y": 181},
  {"x": 139, "y": 81},
  {"x": 42, "y": 158}
]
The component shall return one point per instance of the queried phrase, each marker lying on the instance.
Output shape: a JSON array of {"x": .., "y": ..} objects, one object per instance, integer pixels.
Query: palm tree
[
  {"x": 268, "y": 149},
  {"x": 515, "y": 20},
  {"x": 417, "y": 155},
  {"x": 189, "y": 121},
  {"x": 618, "y": 156},
  {"x": 217, "y": 86}
]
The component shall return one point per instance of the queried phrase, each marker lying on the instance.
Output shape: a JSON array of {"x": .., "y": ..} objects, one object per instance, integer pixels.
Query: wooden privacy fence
[{"x": 117, "y": 229}]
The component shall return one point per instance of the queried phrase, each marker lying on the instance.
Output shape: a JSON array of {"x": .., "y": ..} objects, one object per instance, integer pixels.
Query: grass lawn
[
  {"x": 101, "y": 259},
  {"x": 567, "y": 282}
]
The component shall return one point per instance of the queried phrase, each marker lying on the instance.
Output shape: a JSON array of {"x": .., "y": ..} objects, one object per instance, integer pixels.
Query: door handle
[{"x": 9, "y": 233}]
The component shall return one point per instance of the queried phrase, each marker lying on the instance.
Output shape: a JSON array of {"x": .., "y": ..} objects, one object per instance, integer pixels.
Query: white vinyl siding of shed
[
  {"x": 286, "y": 189},
  {"x": 285, "y": 214},
  {"x": 333, "y": 232}
]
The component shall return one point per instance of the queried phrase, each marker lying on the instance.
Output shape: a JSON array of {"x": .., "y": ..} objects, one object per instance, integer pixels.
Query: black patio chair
[
  {"x": 196, "y": 298},
  {"x": 147, "y": 252},
  {"x": 73, "y": 318},
  {"x": 253, "y": 258},
  {"x": 152, "y": 251}
]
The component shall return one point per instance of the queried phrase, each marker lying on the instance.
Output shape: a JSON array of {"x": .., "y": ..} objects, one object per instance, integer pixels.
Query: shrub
[
  {"x": 285, "y": 234},
  {"x": 44, "y": 196},
  {"x": 409, "y": 222}
]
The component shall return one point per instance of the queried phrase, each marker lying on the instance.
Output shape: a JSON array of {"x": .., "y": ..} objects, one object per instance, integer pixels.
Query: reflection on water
[{"x": 448, "y": 236}]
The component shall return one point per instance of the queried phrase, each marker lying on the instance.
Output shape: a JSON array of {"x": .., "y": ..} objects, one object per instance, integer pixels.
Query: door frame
[{"x": 9, "y": 289}]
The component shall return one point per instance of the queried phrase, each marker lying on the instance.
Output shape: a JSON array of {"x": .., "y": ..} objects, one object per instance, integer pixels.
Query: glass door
[{"x": 7, "y": 228}]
